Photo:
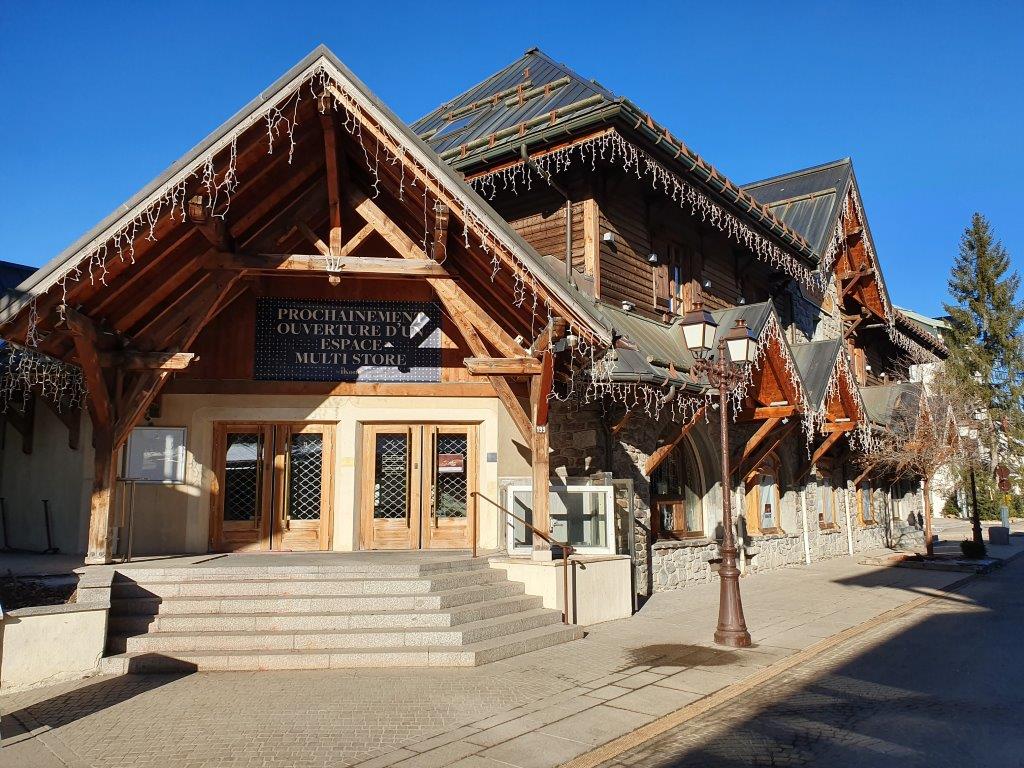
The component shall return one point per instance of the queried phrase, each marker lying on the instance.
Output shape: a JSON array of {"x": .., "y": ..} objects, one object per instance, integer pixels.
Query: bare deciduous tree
[{"x": 921, "y": 438}]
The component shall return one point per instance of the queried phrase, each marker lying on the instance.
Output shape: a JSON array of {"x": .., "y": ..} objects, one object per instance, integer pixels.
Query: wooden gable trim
[
  {"x": 767, "y": 447},
  {"x": 664, "y": 451},
  {"x": 818, "y": 454}
]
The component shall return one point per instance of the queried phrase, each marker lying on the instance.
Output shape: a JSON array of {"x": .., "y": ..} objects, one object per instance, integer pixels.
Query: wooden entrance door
[
  {"x": 273, "y": 487},
  {"x": 417, "y": 481}
]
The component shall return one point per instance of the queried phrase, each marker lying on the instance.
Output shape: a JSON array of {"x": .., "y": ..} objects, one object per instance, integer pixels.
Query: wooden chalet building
[
  {"x": 645, "y": 228},
  {"x": 322, "y": 329}
]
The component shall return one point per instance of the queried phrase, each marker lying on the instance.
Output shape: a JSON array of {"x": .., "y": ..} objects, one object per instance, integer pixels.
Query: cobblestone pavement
[
  {"x": 533, "y": 711},
  {"x": 942, "y": 685}
]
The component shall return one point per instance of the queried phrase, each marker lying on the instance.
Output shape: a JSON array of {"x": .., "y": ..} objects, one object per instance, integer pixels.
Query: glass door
[
  {"x": 417, "y": 481},
  {"x": 447, "y": 485},
  {"x": 242, "y": 489},
  {"x": 302, "y": 488},
  {"x": 273, "y": 487}
]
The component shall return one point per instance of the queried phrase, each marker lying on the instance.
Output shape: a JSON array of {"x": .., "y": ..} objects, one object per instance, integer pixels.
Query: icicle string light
[
  {"x": 215, "y": 173},
  {"x": 611, "y": 147},
  {"x": 24, "y": 371}
]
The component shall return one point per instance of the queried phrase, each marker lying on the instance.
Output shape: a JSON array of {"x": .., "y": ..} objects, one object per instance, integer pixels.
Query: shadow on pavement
[
  {"x": 948, "y": 690},
  {"x": 678, "y": 655},
  {"x": 65, "y": 708}
]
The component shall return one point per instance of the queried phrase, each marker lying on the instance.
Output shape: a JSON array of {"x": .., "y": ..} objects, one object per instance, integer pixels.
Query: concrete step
[
  {"x": 132, "y": 624},
  {"x": 305, "y": 586},
  {"x": 482, "y": 652},
  {"x": 255, "y": 604},
  {"x": 465, "y": 634},
  {"x": 386, "y": 569}
]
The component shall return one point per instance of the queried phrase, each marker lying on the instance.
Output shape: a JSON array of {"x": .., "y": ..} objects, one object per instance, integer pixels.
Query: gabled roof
[
  {"x": 537, "y": 102},
  {"x": 12, "y": 275},
  {"x": 816, "y": 360},
  {"x": 660, "y": 347},
  {"x": 885, "y": 403},
  {"x": 808, "y": 200},
  {"x": 933, "y": 325},
  {"x": 532, "y": 85},
  {"x": 925, "y": 330},
  {"x": 321, "y": 60}
]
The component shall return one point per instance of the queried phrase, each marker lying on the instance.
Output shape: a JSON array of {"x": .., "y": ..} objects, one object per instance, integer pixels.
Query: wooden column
[
  {"x": 540, "y": 445},
  {"x": 101, "y": 412},
  {"x": 101, "y": 503}
]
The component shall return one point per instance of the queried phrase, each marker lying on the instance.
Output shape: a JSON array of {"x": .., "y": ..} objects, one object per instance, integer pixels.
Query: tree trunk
[{"x": 929, "y": 547}]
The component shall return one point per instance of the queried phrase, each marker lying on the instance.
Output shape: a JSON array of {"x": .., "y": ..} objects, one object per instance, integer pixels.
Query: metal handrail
[{"x": 566, "y": 547}]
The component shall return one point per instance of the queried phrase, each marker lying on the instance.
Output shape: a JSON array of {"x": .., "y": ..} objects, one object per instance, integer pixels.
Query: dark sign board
[{"x": 320, "y": 340}]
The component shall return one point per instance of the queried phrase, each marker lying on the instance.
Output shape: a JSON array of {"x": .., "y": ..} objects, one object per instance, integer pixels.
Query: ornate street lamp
[{"x": 725, "y": 373}]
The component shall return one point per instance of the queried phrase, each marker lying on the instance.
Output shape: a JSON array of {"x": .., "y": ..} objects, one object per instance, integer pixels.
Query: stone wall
[
  {"x": 582, "y": 444},
  {"x": 771, "y": 551},
  {"x": 674, "y": 564}
]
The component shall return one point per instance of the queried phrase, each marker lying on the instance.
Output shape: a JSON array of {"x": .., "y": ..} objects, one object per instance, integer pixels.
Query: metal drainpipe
[{"x": 532, "y": 165}]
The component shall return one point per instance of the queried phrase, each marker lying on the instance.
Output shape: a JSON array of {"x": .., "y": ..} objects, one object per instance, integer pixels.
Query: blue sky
[{"x": 926, "y": 97}]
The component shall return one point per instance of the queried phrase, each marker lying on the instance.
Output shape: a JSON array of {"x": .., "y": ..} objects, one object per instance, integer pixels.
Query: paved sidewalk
[{"x": 537, "y": 710}]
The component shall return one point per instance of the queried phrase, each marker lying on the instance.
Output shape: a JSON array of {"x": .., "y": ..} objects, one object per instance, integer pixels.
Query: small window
[
  {"x": 866, "y": 503},
  {"x": 676, "y": 493},
  {"x": 827, "y": 498},
  {"x": 763, "y": 502}
]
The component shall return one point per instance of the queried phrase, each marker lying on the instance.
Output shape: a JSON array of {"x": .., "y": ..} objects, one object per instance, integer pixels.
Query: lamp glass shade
[
  {"x": 699, "y": 329},
  {"x": 741, "y": 343}
]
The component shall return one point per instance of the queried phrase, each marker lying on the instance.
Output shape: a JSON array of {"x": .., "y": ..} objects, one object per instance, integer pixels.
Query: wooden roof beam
[
  {"x": 819, "y": 452},
  {"x": 503, "y": 366},
  {"x": 129, "y": 360},
  {"x": 768, "y": 447},
  {"x": 663, "y": 451},
  {"x": 459, "y": 304},
  {"x": 753, "y": 442},
  {"x": 364, "y": 266},
  {"x": 501, "y": 386},
  {"x": 335, "y": 172},
  {"x": 85, "y": 336}
]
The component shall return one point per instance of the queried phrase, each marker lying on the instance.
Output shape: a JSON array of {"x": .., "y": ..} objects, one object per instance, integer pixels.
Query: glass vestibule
[{"x": 581, "y": 515}]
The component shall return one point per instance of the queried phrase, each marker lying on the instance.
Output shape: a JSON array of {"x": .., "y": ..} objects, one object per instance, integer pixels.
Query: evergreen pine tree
[{"x": 985, "y": 322}]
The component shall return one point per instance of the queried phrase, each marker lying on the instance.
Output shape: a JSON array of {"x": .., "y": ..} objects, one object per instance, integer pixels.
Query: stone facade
[
  {"x": 582, "y": 445},
  {"x": 675, "y": 564}
]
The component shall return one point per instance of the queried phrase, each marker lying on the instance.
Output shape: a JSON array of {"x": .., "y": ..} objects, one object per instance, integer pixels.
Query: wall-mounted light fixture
[
  {"x": 608, "y": 237},
  {"x": 627, "y": 306},
  {"x": 653, "y": 258}
]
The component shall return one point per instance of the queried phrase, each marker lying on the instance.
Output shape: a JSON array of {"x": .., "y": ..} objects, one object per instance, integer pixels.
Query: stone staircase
[{"x": 457, "y": 612}]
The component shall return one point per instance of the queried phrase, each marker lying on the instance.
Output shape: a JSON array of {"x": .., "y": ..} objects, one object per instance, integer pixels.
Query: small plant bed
[
  {"x": 950, "y": 563},
  {"x": 31, "y": 591}
]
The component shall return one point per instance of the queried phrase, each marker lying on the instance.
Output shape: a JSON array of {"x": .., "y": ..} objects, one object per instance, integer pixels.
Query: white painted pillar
[
  {"x": 849, "y": 524},
  {"x": 807, "y": 533}
]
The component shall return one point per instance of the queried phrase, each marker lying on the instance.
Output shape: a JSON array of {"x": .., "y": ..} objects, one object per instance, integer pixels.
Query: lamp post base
[
  {"x": 734, "y": 638},
  {"x": 732, "y": 627}
]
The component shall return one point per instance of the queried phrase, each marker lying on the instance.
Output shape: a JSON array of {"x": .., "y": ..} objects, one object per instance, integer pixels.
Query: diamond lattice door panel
[
  {"x": 273, "y": 488},
  {"x": 303, "y": 488},
  {"x": 417, "y": 481}
]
